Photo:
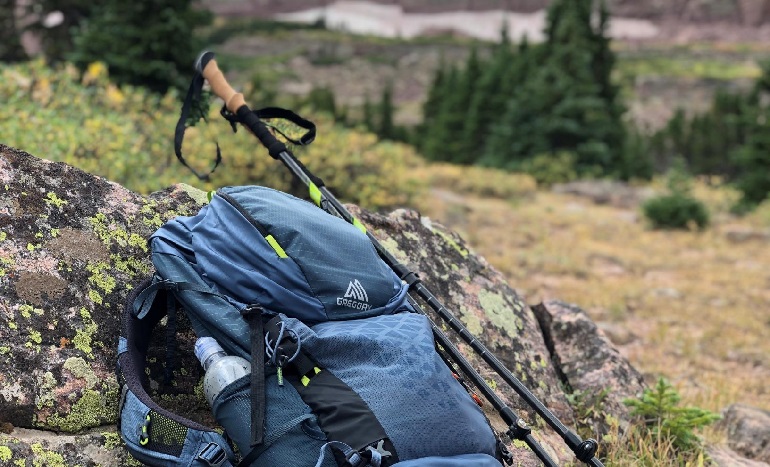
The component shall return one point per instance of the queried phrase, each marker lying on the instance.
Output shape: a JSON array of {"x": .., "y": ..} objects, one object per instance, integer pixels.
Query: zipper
[{"x": 260, "y": 228}]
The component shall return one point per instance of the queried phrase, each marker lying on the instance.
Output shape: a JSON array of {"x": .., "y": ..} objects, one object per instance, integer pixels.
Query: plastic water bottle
[{"x": 221, "y": 369}]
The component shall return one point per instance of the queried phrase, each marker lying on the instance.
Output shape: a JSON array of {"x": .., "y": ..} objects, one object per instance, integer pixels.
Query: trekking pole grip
[
  {"x": 236, "y": 104},
  {"x": 207, "y": 67}
]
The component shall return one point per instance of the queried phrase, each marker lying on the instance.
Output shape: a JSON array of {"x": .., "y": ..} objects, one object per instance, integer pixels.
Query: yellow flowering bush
[{"x": 127, "y": 134}]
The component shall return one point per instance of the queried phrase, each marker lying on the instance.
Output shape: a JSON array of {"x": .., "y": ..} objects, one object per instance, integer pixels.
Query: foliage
[
  {"x": 568, "y": 101},
  {"x": 657, "y": 411},
  {"x": 57, "y": 40},
  {"x": 151, "y": 44},
  {"x": 753, "y": 158},
  {"x": 534, "y": 101},
  {"x": 126, "y": 135},
  {"x": 10, "y": 42},
  {"x": 551, "y": 169},
  {"x": 479, "y": 181},
  {"x": 678, "y": 209}
]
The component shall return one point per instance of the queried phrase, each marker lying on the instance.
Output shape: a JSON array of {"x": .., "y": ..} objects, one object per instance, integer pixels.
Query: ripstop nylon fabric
[{"x": 332, "y": 271}]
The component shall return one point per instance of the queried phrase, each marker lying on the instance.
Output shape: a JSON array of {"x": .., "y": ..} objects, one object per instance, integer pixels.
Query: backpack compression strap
[{"x": 342, "y": 414}]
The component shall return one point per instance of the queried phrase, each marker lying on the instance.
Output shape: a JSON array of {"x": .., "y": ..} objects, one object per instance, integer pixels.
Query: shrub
[
  {"x": 657, "y": 411},
  {"x": 548, "y": 169},
  {"x": 678, "y": 209}
]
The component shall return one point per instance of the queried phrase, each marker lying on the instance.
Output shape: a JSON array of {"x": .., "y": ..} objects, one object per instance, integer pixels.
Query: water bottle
[{"x": 221, "y": 369}]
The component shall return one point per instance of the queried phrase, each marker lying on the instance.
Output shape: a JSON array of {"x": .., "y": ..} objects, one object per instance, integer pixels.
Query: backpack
[{"x": 344, "y": 372}]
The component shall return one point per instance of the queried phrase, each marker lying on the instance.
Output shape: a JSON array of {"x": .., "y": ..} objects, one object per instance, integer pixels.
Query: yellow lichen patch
[
  {"x": 91, "y": 410},
  {"x": 498, "y": 311},
  {"x": 46, "y": 458},
  {"x": 5, "y": 453},
  {"x": 52, "y": 199}
]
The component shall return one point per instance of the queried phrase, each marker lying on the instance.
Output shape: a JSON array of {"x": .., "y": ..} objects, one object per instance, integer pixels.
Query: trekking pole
[{"x": 584, "y": 450}]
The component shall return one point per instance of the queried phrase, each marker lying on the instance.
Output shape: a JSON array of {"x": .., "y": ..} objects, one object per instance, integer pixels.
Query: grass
[{"x": 696, "y": 305}]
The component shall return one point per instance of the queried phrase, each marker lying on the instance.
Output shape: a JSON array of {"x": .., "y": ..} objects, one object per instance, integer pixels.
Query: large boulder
[{"x": 73, "y": 245}]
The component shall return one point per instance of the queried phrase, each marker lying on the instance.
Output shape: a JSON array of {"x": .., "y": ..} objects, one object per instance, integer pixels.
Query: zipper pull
[{"x": 279, "y": 372}]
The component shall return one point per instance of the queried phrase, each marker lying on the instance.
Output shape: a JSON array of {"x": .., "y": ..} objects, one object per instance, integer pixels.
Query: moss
[
  {"x": 471, "y": 321},
  {"x": 5, "y": 453},
  {"x": 3, "y": 236},
  {"x": 89, "y": 411},
  {"x": 20, "y": 463},
  {"x": 4, "y": 350},
  {"x": 52, "y": 199},
  {"x": 46, "y": 458}
]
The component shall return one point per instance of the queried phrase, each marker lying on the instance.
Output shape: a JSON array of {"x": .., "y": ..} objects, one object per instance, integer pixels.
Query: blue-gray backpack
[{"x": 343, "y": 371}]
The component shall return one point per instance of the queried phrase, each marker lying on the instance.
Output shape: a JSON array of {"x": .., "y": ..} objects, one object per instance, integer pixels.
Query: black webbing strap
[
  {"x": 253, "y": 315},
  {"x": 192, "y": 102}
]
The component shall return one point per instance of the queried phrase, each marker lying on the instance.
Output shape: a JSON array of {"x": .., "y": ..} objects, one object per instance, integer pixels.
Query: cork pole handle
[{"x": 207, "y": 66}]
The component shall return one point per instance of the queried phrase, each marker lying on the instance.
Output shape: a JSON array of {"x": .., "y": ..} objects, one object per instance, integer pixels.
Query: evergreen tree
[
  {"x": 368, "y": 117},
  {"x": 10, "y": 42},
  {"x": 430, "y": 110},
  {"x": 57, "y": 39},
  {"x": 568, "y": 102},
  {"x": 145, "y": 43},
  {"x": 460, "y": 148},
  {"x": 753, "y": 158},
  {"x": 440, "y": 139},
  {"x": 386, "y": 128}
]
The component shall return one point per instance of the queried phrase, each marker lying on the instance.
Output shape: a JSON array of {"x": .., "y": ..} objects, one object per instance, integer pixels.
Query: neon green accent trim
[
  {"x": 315, "y": 193},
  {"x": 210, "y": 195},
  {"x": 144, "y": 441},
  {"x": 305, "y": 380},
  {"x": 357, "y": 223},
  {"x": 273, "y": 243}
]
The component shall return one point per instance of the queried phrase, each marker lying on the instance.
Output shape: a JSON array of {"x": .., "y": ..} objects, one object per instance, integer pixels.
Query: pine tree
[
  {"x": 10, "y": 43},
  {"x": 145, "y": 43},
  {"x": 753, "y": 158},
  {"x": 386, "y": 128},
  {"x": 57, "y": 40},
  {"x": 440, "y": 139},
  {"x": 568, "y": 102},
  {"x": 368, "y": 117}
]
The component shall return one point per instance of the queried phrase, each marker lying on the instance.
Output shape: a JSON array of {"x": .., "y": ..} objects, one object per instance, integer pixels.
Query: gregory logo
[{"x": 355, "y": 297}]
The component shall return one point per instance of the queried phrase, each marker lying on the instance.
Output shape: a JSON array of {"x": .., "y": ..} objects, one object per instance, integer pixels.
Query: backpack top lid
[{"x": 256, "y": 245}]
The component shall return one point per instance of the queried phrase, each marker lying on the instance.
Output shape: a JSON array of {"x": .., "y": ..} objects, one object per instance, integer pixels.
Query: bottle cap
[{"x": 205, "y": 347}]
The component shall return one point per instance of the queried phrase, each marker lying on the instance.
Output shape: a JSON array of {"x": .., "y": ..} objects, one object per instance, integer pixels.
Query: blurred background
[{"x": 614, "y": 154}]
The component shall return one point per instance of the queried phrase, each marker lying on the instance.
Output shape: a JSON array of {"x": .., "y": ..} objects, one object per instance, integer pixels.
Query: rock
[
  {"x": 725, "y": 457},
  {"x": 588, "y": 365},
  {"x": 748, "y": 431},
  {"x": 73, "y": 245},
  {"x": 617, "y": 194}
]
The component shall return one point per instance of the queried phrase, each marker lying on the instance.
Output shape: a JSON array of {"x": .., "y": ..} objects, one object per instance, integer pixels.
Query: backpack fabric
[{"x": 343, "y": 313}]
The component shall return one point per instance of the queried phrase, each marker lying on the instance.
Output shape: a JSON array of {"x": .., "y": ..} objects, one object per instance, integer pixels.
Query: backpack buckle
[{"x": 213, "y": 455}]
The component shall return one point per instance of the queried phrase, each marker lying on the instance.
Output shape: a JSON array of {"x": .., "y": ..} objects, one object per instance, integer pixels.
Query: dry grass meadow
[{"x": 691, "y": 306}]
